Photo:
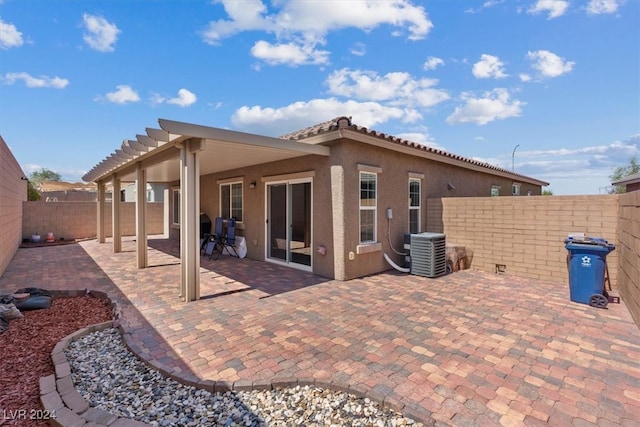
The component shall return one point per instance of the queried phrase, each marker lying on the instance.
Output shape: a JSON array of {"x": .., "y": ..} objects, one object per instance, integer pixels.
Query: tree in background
[
  {"x": 36, "y": 178},
  {"x": 622, "y": 172},
  {"x": 547, "y": 192},
  {"x": 44, "y": 175},
  {"x": 32, "y": 192}
]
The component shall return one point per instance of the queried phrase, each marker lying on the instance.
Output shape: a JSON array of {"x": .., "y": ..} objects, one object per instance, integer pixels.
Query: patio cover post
[
  {"x": 337, "y": 201},
  {"x": 100, "y": 214},
  {"x": 115, "y": 215},
  {"x": 190, "y": 219},
  {"x": 141, "y": 216}
]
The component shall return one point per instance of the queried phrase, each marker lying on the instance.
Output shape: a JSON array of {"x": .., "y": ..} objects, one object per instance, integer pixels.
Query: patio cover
[{"x": 182, "y": 152}]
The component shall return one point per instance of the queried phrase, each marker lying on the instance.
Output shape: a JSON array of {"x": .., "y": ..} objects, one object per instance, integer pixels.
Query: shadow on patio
[
  {"x": 229, "y": 274},
  {"x": 469, "y": 348},
  {"x": 71, "y": 267}
]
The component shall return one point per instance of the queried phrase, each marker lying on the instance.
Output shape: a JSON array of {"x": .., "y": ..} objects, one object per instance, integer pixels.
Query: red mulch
[{"x": 25, "y": 351}]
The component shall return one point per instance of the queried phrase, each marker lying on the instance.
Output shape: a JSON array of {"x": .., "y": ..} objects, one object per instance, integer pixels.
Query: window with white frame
[
  {"x": 515, "y": 189},
  {"x": 175, "y": 213},
  {"x": 368, "y": 205},
  {"x": 414, "y": 205},
  {"x": 495, "y": 190},
  {"x": 231, "y": 201}
]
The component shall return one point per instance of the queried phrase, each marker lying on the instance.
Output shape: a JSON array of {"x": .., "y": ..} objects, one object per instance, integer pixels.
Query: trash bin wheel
[{"x": 598, "y": 301}]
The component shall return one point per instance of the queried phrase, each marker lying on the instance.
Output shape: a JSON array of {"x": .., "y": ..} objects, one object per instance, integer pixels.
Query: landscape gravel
[{"x": 113, "y": 379}]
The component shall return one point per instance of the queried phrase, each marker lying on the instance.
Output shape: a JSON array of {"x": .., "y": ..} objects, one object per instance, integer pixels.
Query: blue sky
[{"x": 559, "y": 79}]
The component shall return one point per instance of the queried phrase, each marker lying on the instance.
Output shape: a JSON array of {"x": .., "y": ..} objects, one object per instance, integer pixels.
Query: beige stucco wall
[
  {"x": 77, "y": 220},
  {"x": 525, "y": 233},
  {"x": 342, "y": 164},
  {"x": 393, "y": 184},
  {"x": 13, "y": 191},
  {"x": 629, "y": 252},
  {"x": 253, "y": 226}
]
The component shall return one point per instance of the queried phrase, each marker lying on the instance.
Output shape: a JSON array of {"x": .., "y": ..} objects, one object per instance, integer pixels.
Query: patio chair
[
  {"x": 204, "y": 241},
  {"x": 216, "y": 240},
  {"x": 230, "y": 238}
]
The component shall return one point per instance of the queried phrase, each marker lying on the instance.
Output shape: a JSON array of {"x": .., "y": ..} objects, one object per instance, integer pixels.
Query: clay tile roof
[
  {"x": 328, "y": 126},
  {"x": 344, "y": 122}
]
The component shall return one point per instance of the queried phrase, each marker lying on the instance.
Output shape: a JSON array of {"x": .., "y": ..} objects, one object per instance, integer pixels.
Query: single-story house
[
  {"x": 631, "y": 182},
  {"x": 331, "y": 199},
  {"x": 155, "y": 192}
]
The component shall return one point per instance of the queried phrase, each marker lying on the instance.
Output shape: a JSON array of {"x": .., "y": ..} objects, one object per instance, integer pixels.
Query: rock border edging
[{"x": 68, "y": 408}]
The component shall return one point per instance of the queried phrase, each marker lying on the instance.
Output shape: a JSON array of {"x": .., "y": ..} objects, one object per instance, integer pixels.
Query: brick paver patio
[{"x": 469, "y": 348}]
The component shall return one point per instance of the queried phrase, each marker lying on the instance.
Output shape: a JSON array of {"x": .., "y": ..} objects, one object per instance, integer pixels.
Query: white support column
[
  {"x": 141, "y": 216},
  {"x": 100, "y": 232},
  {"x": 339, "y": 228},
  {"x": 167, "y": 211},
  {"x": 190, "y": 219},
  {"x": 115, "y": 215}
]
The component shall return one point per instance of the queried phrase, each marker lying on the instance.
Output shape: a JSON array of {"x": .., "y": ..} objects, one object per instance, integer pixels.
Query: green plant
[
  {"x": 622, "y": 172},
  {"x": 44, "y": 175},
  {"x": 32, "y": 193}
]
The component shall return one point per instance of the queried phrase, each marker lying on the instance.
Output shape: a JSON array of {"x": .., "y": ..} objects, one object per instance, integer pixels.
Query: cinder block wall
[
  {"x": 525, "y": 234},
  {"x": 13, "y": 192},
  {"x": 629, "y": 252},
  {"x": 78, "y": 220}
]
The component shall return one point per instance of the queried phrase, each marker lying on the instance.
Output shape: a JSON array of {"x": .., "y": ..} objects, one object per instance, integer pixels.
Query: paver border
[{"x": 68, "y": 408}]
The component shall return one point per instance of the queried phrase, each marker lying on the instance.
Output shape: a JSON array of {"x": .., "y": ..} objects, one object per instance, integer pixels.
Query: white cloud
[
  {"x": 596, "y": 7},
  {"x": 9, "y": 36},
  {"x": 278, "y": 121},
  {"x": 432, "y": 63},
  {"x": 494, "y": 105},
  {"x": 485, "y": 5},
  {"x": 359, "y": 49},
  {"x": 549, "y": 64},
  {"x": 36, "y": 82},
  {"x": 300, "y": 26},
  {"x": 524, "y": 77},
  {"x": 100, "y": 34},
  {"x": 590, "y": 165},
  {"x": 397, "y": 89},
  {"x": 185, "y": 98},
  {"x": 615, "y": 152},
  {"x": 489, "y": 66},
  {"x": 318, "y": 18},
  {"x": 289, "y": 53},
  {"x": 555, "y": 8},
  {"x": 124, "y": 94},
  {"x": 422, "y": 138}
]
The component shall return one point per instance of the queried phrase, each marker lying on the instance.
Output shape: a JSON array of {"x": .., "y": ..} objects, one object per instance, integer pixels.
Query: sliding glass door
[{"x": 289, "y": 223}]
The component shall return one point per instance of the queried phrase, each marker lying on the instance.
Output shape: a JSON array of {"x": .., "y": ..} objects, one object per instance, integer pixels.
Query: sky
[{"x": 548, "y": 88}]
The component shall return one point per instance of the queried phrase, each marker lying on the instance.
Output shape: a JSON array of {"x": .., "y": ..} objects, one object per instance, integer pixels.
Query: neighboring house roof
[
  {"x": 344, "y": 123},
  {"x": 46, "y": 186},
  {"x": 631, "y": 179}
]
